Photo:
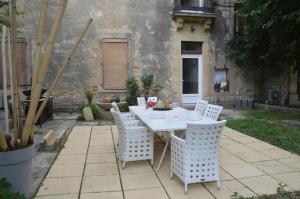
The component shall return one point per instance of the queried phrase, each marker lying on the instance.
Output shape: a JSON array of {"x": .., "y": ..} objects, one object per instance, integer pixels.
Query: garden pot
[{"x": 16, "y": 166}]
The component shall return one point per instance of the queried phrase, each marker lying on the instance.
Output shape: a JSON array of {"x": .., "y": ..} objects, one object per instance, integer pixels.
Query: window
[
  {"x": 115, "y": 64},
  {"x": 192, "y": 3},
  {"x": 21, "y": 63},
  {"x": 221, "y": 79},
  {"x": 188, "y": 47},
  {"x": 239, "y": 21}
]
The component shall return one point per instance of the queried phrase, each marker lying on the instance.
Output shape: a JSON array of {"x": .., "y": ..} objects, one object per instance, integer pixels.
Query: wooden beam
[
  {"x": 3, "y": 143},
  {"x": 39, "y": 40},
  {"x": 4, "y": 73},
  {"x": 15, "y": 86},
  {"x": 58, "y": 75},
  {"x": 41, "y": 74}
]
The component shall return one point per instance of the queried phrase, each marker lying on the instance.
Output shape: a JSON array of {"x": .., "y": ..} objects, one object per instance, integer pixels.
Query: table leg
[{"x": 163, "y": 154}]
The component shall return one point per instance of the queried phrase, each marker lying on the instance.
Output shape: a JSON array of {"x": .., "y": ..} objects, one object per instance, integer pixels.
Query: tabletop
[{"x": 175, "y": 119}]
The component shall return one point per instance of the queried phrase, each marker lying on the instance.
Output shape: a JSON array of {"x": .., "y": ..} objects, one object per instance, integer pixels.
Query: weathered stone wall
[{"x": 154, "y": 44}]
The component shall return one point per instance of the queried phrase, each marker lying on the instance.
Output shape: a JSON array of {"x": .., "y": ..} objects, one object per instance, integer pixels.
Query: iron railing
[{"x": 194, "y": 5}]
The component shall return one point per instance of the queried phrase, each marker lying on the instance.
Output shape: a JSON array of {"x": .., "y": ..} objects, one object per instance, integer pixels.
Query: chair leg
[
  {"x": 123, "y": 166},
  {"x": 185, "y": 188},
  {"x": 172, "y": 175},
  {"x": 218, "y": 184}
]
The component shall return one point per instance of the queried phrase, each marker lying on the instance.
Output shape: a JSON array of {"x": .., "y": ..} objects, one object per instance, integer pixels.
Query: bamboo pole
[
  {"x": 41, "y": 74},
  {"x": 39, "y": 42},
  {"x": 4, "y": 73},
  {"x": 12, "y": 9},
  {"x": 59, "y": 73},
  {"x": 3, "y": 143},
  {"x": 9, "y": 65}
]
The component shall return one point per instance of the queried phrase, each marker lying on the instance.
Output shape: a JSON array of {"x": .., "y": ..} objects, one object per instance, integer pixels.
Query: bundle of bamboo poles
[{"x": 23, "y": 132}]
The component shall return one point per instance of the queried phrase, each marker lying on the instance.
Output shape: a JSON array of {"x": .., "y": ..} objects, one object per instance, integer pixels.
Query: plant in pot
[
  {"x": 147, "y": 81},
  {"x": 133, "y": 91},
  {"x": 17, "y": 146},
  {"x": 90, "y": 111},
  {"x": 115, "y": 98}
]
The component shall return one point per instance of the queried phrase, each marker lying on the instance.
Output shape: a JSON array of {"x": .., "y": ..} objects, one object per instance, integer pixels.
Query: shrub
[
  {"x": 95, "y": 110},
  {"x": 6, "y": 194},
  {"x": 89, "y": 94},
  {"x": 133, "y": 91}
]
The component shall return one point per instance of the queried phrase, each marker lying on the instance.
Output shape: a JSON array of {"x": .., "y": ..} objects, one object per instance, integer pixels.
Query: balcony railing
[{"x": 194, "y": 6}]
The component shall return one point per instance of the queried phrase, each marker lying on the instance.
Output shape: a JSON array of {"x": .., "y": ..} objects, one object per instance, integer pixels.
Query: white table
[{"x": 168, "y": 121}]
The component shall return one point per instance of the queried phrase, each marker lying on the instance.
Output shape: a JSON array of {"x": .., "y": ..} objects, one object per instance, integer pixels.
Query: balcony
[{"x": 194, "y": 11}]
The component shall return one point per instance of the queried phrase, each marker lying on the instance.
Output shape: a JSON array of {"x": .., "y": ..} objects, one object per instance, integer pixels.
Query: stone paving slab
[{"x": 87, "y": 168}]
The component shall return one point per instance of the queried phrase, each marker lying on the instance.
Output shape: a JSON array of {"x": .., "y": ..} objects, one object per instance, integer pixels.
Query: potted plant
[
  {"x": 90, "y": 112},
  {"x": 133, "y": 91},
  {"x": 17, "y": 148}
]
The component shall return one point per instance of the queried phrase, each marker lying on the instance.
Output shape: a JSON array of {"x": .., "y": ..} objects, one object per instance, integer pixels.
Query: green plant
[
  {"x": 156, "y": 89},
  {"x": 6, "y": 194},
  {"x": 89, "y": 94},
  {"x": 95, "y": 110},
  {"x": 133, "y": 91},
  {"x": 268, "y": 25},
  {"x": 281, "y": 193},
  {"x": 147, "y": 81},
  {"x": 285, "y": 137}
]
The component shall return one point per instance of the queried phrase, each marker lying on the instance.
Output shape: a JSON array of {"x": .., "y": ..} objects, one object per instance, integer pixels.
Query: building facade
[{"x": 182, "y": 42}]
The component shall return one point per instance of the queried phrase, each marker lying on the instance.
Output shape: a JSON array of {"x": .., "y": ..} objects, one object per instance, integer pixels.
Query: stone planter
[
  {"x": 87, "y": 123},
  {"x": 16, "y": 167},
  {"x": 106, "y": 106}
]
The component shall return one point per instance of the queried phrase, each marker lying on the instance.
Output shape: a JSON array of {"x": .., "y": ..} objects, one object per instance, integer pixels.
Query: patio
[{"x": 87, "y": 168}]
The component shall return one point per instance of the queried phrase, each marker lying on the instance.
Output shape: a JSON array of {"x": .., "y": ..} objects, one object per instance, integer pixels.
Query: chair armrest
[
  {"x": 177, "y": 139},
  {"x": 133, "y": 123},
  {"x": 127, "y": 116},
  {"x": 140, "y": 130}
]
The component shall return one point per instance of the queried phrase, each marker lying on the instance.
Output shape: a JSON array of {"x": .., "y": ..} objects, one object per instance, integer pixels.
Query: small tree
[{"x": 270, "y": 42}]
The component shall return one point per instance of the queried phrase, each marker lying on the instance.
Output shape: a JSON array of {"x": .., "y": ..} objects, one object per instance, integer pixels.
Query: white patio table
[{"x": 165, "y": 121}]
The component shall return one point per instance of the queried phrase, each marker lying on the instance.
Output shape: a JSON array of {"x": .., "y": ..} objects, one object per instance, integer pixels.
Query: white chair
[
  {"x": 135, "y": 140},
  {"x": 196, "y": 159},
  {"x": 141, "y": 101},
  {"x": 200, "y": 106},
  {"x": 125, "y": 116},
  {"x": 212, "y": 111}
]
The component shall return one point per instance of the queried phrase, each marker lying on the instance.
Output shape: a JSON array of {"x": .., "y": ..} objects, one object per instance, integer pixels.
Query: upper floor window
[
  {"x": 239, "y": 21},
  {"x": 189, "y": 47},
  {"x": 192, "y": 3}
]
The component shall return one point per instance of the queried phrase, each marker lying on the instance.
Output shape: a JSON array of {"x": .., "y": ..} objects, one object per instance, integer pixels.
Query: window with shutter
[
  {"x": 115, "y": 64},
  {"x": 21, "y": 63}
]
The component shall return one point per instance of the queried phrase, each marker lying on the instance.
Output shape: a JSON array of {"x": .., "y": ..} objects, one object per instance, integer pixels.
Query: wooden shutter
[
  {"x": 115, "y": 64},
  {"x": 21, "y": 63}
]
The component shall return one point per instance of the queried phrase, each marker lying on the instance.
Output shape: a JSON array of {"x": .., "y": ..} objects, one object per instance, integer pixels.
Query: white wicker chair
[
  {"x": 196, "y": 159},
  {"x": 141, "y": 101},
  {"x": 125, "y": 116},
  {"x": 200, "y": 106},
  {"x": 135, "y": 140},
  {"x": 212, "y": 111}
]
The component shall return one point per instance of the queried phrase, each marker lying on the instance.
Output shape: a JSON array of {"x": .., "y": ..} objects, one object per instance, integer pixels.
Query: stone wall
[{"x": 154, "y": 45}]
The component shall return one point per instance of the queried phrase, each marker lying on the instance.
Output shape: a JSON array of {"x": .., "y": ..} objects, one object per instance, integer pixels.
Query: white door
[{"x": 191, "y": 78}]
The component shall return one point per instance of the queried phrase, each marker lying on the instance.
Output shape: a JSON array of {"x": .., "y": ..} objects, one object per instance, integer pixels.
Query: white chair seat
[
  {"x": 196, "y": 158},
  {"x": 135, "y": 140}
]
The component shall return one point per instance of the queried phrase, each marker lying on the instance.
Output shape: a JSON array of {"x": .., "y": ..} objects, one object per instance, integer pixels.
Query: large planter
[{"x": 16, "y": 166}]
